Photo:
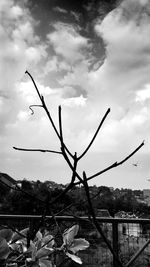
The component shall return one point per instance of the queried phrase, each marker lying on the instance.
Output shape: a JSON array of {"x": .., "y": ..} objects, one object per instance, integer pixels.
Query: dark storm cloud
[
  {"x": 76, "y": 5},
  {"x": 87, "y": 10},
  {"x": 83, "y": 13}
]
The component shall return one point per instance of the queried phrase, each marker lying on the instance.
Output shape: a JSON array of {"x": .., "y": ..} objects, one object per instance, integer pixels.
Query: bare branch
[
  {"x": 94, "y": 220},
  {"x": 47, "y": 111},
  {"x": 37, "y": 150},
  {"x": 63, "y": 148},
  {"x": 49, "y": 116},
  {"x": 138, "y": 148},
  {"x": 60, "y": 126},
  {"x": 99, "y": 127},
  {"x": 70, "y": 186},
  {"x": 8, "y": 226},
  {"x": 40, "y": 96},
  {"x": 100, "y": 172},
  {"x": 61, "y": 132},
  {"x": 115, "y": 164},
  {"x": 60, "y": 136},
  {"x": 73, "y": 166},
  {"x": 43, "y": 104},
  {"x": 31, "y": 108}
]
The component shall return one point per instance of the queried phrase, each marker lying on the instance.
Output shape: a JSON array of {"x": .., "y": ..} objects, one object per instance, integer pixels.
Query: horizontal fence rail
[{"x": 129, "y": 237}]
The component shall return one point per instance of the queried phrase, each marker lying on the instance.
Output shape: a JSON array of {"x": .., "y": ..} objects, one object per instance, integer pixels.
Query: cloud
[
  {"x": 75, "y": 15},
  {"x": 54, "y": 64},
  {"x": 61, "y": 10},
  {"x": 121, "y": 82},
  {"x": 77, "y": 101},
  {"x": 126, "y": 65},
  {"x": 74, "y": 77},
  {"x": 143, "y": 94},
  {"x": 67, "y": 42},
  {"x": 20, "y": 48}
]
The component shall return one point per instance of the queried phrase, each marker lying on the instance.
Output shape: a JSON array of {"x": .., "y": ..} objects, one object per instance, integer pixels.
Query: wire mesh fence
[
  {"x": 132, "y": 238},
  {"x": 128, "y": 237}
]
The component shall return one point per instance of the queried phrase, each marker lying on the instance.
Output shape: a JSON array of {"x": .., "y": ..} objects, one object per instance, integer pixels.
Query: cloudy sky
[{"x": 86, "y": 56}]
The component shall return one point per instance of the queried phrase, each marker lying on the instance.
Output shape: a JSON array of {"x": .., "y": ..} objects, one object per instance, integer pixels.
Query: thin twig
[
  {"x": 115, "y": 164},
  {"x": 60, "y": 126},
  {"x": 13, "y": 229},
  {"x": 71, "y": 184},
  {"x": 130, "y": 155},
  {"x": 62, "y": 210},
  {"x": 31, "y": 108},
  {"x": 99, "y": 127},
  {"x": 37, "y": 150},
  {"x": 47, "y": 111},
  {"x": 34, "y": 83},
  {"x": 100, "y": 172},
  {"x": 72, "y": 168},
  {"x": 95, "y": 222},
  {"x": 43, "y": 103},
  {"x": 63, "y": 149},
  {"x": 61, "y": 132}
]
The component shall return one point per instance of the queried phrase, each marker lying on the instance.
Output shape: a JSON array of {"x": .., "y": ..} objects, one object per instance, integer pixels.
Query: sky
[{"x": 87, "y": 56}]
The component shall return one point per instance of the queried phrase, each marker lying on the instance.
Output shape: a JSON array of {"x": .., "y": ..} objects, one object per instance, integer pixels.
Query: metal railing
[{"x": 130, "y": 238}]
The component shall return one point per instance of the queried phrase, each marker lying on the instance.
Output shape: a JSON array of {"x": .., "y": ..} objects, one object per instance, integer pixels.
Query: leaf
[
  {"x": 12, "y": 265},
  {"x": 4, "y": 248},
  {"x": 68, "y": 235},
  {"x": 31, "y": 247},
  {"x": 22, "y": 245},
  {"x": 6, "y": 233},
  {"x": 38, "y": 244},
  {"x": 18, "y": 236},
  {"x": 74, "y": 258},
  {"x": 39, "y": 235},
  {"x": 14, "y": 246},
  {"x": 33, "y": 250},
  {"x": 29, "y": 262},
  {"x": 43, "y": 252},
  {"x": 79, "y": 244},
  {"x": 45, "y": 263},
  {"x": 48, "y": 240}
]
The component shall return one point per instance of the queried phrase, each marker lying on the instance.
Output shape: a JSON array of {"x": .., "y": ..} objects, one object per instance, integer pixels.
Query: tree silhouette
[{"x": 72, "y": 160}]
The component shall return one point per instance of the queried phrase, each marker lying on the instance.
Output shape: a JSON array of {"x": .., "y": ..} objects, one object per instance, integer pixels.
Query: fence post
[{"x": 115, "y": 241}]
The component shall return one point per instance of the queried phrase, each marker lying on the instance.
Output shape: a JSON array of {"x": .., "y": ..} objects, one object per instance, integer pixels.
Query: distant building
[
  {"x": 102, "y": 213},
  {"x": 52, "y": 185},
  {"x": 5, "y": 179},
  {"x": 146, "y": 196}
]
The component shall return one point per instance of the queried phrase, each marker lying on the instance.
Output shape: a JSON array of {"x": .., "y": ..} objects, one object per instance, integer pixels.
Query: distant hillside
[
  {"x": 15, "y": 201},
  {"x": 7, "y": 180}
]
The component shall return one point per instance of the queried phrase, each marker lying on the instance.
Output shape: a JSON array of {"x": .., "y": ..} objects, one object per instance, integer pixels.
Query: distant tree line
[{"x": 13, "y": 201}]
